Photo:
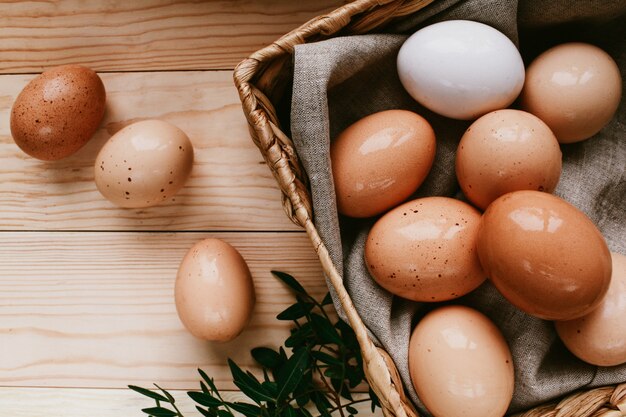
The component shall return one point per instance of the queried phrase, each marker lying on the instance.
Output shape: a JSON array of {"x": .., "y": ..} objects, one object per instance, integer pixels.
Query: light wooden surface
[
  {"x": 230, "y": 187},
  {"x": 86, "y": 289},
  {"x": 145, "y": 34},
  {"x": 76, "y": 402}
]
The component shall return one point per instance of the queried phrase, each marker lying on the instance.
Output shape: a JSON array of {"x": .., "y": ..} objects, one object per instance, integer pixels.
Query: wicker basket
[{"x": 262, "y": 81}]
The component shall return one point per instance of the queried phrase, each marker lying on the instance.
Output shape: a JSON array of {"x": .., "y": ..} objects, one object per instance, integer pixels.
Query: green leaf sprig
[{"x": 323, "y": 364}]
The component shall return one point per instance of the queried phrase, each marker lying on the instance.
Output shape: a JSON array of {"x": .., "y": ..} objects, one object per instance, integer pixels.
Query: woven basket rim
[{"x": 278, "y": 151}]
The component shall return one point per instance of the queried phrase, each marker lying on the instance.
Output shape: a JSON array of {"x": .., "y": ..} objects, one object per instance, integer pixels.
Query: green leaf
[
  {"x": 300, "y": 337},
  {"x": 327, "y": 300},
  {"x": 351, "y": 410},
  {"x": 204, "y": 399},
  {"x": 266, "y": 357},
  {"x": 290, "y": 412},
  {"x": 326, "y": 358},
  {"x": 295, "y": 311},
  {"x": 291, "y": 283},
  {"x": 374, "y": 398},
  {"x": 248, "y": 410},
  {"x": 159, "y": 412},
  {"x": 325, "y": 329},
  {"x": 303, "y": 412},
  {"x": 291, "y": 373},
  {"x": 148, "y": 393},
  {"x": 206, "y": 413},
  {"x": 248, "y": 384},
  {"x": 167, "y": 394},
  {"x": 208, "y": 380},
  {"x": 271, "y": 387},
  {"x": 204, "y": 388},
  {"x": 224, "y": 413}
]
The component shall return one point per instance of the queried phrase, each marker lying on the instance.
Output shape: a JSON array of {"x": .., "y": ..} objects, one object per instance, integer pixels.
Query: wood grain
[
  {"x": 230, "y": 187},
  {"x": 144, "y": 35},
  {"x": 74, "y": 402},
  {"x": 83, "y": 309}
]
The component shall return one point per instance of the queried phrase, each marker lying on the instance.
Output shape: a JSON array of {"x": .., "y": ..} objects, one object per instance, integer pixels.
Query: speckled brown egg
[
  {"x": 380, "y": 160},
  {"x": 214, "y": 291},
  {"x": 58, "y": 112},
  {"x": 544, "y": 255},
  {"x": 575, "y": 88},
  {"x": 599, "y": 338},
  {"x": 425, "y": 250},
  {"x": 144, "y": 164},
  {"x": 504, "y": 151}
]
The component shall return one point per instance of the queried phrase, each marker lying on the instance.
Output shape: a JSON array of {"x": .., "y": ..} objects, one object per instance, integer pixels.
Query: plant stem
[
  {"x": 331, "y": 391},
  {"x": 332, "y": 410}
]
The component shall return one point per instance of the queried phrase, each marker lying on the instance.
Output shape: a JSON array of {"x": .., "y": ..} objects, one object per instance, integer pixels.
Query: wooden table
[{"x": 86, "y": 288}]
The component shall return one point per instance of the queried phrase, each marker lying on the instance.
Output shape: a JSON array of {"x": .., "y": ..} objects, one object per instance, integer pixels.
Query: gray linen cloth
[{"x": 338, "y": 81}]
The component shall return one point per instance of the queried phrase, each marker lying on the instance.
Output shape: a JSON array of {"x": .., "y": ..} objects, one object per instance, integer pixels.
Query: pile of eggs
[
  {"x": 543, "y": 254},
  {"x": 142, "y": 165},
  {"x": 60, "y": 110}
]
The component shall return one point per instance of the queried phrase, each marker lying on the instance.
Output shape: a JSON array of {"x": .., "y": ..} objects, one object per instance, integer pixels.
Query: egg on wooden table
[
  {"x": 504, "y": 151},
  {"x": 460, "y": 364},
  {"x": 144, "y": 164},
  {"x": 214, "y": 291},
  {"x": 58, "y": 112},
  {"x": 461, "y": 69},
  {"x": 599, "y": 338},
  {"x": 575, "y": 88},
  {"x": 425, "y": 250},
  {"x": 544, "y": 255},
  {"x": 380, "y": 160}
]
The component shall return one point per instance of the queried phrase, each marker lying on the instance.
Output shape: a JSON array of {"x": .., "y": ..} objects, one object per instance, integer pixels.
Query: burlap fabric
[{"x": 339, "y": 81}]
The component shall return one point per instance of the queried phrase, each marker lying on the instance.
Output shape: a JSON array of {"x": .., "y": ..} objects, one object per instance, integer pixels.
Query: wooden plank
[
  {"x": 230, "y": 187},
  {"x": 85, "y": 309},
  {"x": 144, "y": 35},
  {"x": 76, "y": 402}
]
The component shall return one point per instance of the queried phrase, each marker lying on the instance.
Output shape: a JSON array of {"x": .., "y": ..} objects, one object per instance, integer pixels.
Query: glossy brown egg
[
  {"x": 544, "y": 255},
  {"x": 599, "y": 338},
  {"x": 214, "y": 291},
  {"x": 507, "y": 150},
  {"x": 58, "y": 112},
  {"x": 460, "y": 364},
  {"x": 425, "y": 250},
  {"x": 379, "y": 161},
  {"x": 575, "y": 88},
  {"x": 144, "y": 164}
]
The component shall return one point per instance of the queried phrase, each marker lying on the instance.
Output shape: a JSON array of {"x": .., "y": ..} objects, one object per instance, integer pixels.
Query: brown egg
[
  {"x": 58, "y": 112},
  {"x": 460, "y": 364},
  {"x": 504, "y": 151},
  {"x": 144, "y": 164},
  {"x": 575, "y": 88},
  {"x": 599, "y": 338},
  {"x": 214, "y": 291},
  {"x": 425, "y": 250},
  {"x": 544, "y": 255},
  {"x": 379, "y": 161}
]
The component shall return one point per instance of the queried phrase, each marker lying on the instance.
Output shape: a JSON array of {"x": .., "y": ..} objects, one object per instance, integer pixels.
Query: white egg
[{"x": 461, "y": 69}]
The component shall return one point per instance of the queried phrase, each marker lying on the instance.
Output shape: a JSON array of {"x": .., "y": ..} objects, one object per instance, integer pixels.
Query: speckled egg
[
  {"x": 425, "y": 250},
  {"x": 144, "y": 164},
  {"x": 58, "y": 112},
  {"x": 599, "y": 338},
  {"x": 460, "y": 364},
  {"x": 380, "y": 160},
  {"x": 504, "y": 151},
  {"x": 575, "y": 88},
  {"x": 214, "y": 291},
  {"x": 544, "y": 255}
]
